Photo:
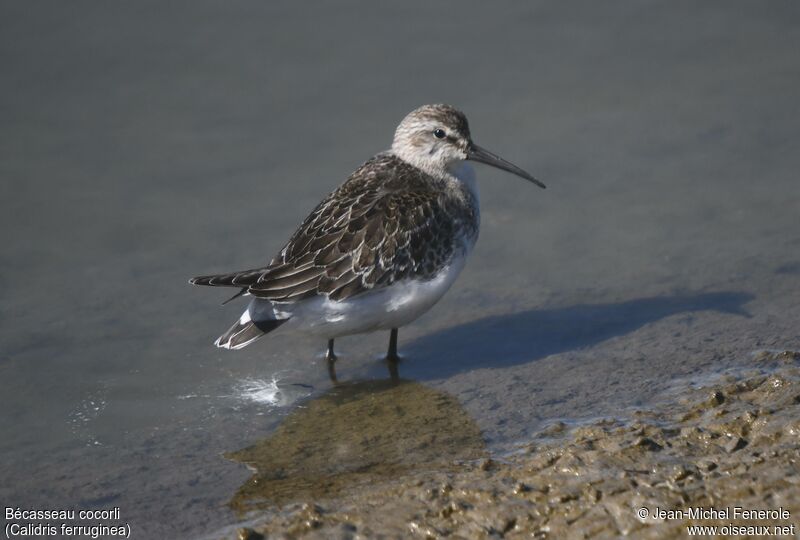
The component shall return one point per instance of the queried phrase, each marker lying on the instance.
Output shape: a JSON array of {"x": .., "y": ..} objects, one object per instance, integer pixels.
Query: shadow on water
[
  {"x": 517, "y": 338},
  {"x": 355, "y": 434}
]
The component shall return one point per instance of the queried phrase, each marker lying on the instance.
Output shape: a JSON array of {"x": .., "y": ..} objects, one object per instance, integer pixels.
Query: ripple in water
[
  {"x": 84, "y": 414},
  {"x": 273, "y": 392}
]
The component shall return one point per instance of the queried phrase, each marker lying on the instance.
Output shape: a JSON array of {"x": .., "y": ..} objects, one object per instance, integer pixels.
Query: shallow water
[
  {"x": 357, "y": 434},
  {"x": 143, "y": 144}
]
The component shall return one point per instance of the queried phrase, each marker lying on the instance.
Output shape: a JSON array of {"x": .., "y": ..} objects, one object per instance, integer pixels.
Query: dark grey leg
[
  {"x": 391, "y": 355},
  {"x": 332, "y": 372},
  {"x": 331, "y": 357},
  {"x": 394, "y": 374}
]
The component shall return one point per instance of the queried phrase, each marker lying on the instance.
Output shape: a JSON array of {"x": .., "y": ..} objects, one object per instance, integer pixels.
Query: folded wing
[{"x": 377, "y": 228}]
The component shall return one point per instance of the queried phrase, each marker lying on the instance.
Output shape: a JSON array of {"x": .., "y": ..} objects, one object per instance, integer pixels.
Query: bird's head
[{"x": 434, "y": 137}]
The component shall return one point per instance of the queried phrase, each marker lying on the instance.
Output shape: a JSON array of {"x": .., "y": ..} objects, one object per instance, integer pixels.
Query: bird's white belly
[{"x": 390, "y": 307}]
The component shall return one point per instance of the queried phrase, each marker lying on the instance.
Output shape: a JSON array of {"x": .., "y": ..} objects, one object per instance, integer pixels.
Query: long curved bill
[{"x": 481, "y": 155}]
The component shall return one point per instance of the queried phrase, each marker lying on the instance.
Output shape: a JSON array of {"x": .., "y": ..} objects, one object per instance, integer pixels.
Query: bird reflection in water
[{"x": 357, "y": 433}]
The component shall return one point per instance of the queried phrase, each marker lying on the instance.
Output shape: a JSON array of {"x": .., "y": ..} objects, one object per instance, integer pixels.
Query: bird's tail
[
  {"x": 243, "y": 333},
  {"x": 234, "y": 279}
]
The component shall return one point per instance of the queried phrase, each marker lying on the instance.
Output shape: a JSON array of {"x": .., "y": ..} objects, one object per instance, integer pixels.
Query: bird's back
[{"x": 389, "y": 221}]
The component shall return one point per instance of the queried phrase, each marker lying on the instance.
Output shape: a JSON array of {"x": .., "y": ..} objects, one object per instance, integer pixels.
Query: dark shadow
[
  {"x": 792, "y": 268},
  {"x": 522, "y": 337}
]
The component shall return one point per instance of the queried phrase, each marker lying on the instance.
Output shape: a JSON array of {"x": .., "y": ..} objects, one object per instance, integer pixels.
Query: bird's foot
[
  {"x": 332, "y": 368},
  {"x": 393, "y": 358},
  {"x": 392, "y": 361}
]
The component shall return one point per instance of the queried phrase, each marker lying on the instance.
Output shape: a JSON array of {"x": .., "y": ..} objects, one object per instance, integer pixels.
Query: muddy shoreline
[{"x": 731, "y": 443}]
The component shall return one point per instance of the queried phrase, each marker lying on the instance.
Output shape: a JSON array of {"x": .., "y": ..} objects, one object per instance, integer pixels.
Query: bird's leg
[
  {"x": 330, "y": 356},
  {"x": 391, "y": 354},
  {"x": 332, "y": 373},
  {"x": 394, "y": 374}
]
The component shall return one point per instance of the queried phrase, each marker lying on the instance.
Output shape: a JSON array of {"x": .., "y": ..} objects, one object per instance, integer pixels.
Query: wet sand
[{"x": 733, "y": 442}]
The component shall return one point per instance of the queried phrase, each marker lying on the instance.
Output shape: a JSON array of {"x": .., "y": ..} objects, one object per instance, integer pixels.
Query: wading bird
[{"x": 381, "y": 249}]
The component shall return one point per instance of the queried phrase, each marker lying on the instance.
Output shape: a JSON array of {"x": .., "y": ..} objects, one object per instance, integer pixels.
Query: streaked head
[{"x": 435, "y": 136}]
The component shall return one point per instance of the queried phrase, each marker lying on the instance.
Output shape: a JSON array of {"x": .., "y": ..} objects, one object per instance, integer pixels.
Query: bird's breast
[
  {"x": 464, "y": 190},
  {"x": 464, "y": 174}
]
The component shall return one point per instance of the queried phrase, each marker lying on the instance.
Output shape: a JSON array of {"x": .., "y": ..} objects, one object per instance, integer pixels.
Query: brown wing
[
  {"x": 384, "y": 224},
  {"x": 388, "y": 222}
]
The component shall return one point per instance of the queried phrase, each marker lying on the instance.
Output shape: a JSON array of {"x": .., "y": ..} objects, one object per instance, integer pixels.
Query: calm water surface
[{"x": 141, "y": 144}]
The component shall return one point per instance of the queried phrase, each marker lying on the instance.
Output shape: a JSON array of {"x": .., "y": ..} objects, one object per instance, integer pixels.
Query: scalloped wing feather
[{"x": 389, "y": 221}]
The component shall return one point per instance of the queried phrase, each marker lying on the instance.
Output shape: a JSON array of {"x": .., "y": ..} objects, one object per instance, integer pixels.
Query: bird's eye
[{"x": 439, "y": 133}]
